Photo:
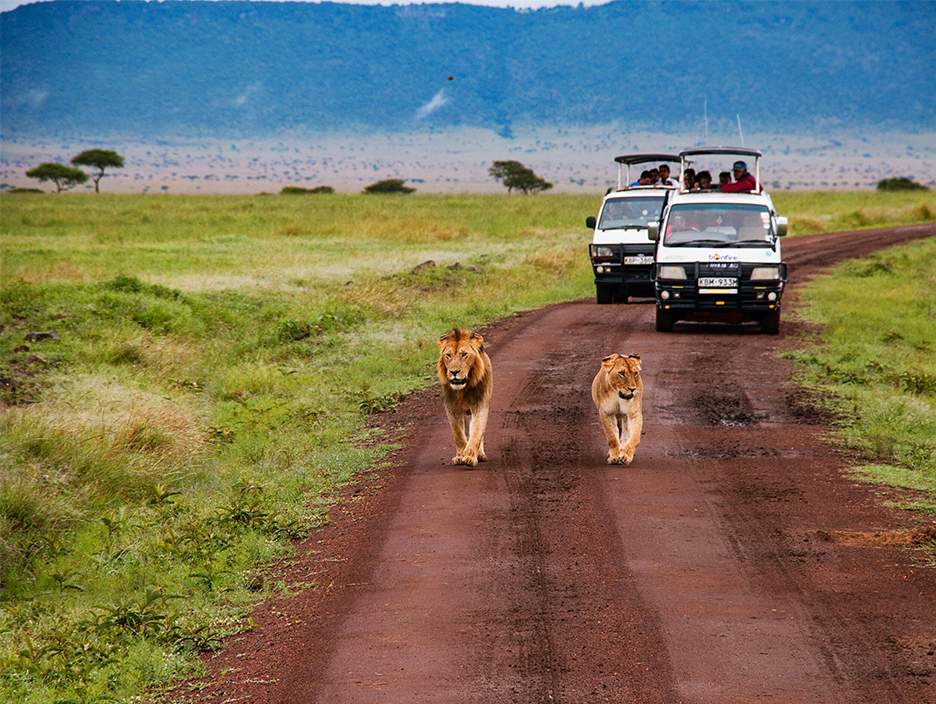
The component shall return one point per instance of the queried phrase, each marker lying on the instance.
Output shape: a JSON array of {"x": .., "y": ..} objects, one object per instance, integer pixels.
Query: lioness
[
  {"x": 618, "y": 393},
  {"x": 464, "y": 369}
]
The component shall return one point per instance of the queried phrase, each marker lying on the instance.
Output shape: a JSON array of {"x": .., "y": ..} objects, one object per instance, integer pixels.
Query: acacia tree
[
  {"x": 99, "y": 159},
  {"x": 64, "y": 177},
  {"x": 513, "y": 175}
]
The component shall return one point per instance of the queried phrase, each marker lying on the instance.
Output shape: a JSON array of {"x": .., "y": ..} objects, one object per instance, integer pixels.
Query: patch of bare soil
[{"x": 733, "y": 561}]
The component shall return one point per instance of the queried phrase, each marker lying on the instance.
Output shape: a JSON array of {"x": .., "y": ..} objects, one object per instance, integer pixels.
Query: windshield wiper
[
  {"x": 693, "y": 243},
  {"x": 759, "y": 243}
]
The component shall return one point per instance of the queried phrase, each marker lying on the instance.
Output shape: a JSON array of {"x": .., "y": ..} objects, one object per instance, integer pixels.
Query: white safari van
[
  {"x": 621, "y": 254},
  {"x": 717, "y": 255}
]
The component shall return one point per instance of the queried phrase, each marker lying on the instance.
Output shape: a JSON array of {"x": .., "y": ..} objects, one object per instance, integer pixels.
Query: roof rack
[
  {"x": 631, "y": 159},
  {"x": 685, "y": 161},
  {"x": 741, "y": 151}
]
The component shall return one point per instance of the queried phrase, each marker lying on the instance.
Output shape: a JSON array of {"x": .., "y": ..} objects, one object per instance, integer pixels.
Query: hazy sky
[{"x": 10, "y": 4}]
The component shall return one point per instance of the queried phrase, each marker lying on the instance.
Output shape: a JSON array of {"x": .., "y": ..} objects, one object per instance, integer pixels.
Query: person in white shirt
[{"x": 665, "y": 179}]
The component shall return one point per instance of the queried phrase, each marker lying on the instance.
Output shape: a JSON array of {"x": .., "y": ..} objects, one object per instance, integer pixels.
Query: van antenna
[{"x": 740, "y": 133}]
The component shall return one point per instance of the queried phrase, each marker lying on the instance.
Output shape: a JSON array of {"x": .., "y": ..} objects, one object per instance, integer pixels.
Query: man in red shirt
[{"x": 744, "y": 182}]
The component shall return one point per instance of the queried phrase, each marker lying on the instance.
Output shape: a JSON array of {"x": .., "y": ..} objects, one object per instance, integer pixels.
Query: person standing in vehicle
[
  {"x": 744, "y": 182},
  {"x": 703, "y": 181},
  {"x": 665, "y": 179},
  {"x": 689, "y": 179},
  {"x": 644, "y": 180}
]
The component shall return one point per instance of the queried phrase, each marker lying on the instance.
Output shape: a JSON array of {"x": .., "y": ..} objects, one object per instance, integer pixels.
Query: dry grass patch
[
  {"x": 383, "y": 297},
  {"x": 809, "y": 224},
  {"x": 557, "y": 260},
  {"x": 115, "y": 418}
]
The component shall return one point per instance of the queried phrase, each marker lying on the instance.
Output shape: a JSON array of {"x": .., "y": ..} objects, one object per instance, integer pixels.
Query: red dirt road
[{"x": 731, "y": 562}]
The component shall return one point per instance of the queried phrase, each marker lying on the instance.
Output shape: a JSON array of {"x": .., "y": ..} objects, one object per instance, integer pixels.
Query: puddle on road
[{"x": 732, "y": 410}]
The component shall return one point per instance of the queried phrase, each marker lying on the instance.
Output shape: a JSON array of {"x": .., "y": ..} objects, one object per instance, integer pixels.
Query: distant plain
[{"x": 575, "y": 160}]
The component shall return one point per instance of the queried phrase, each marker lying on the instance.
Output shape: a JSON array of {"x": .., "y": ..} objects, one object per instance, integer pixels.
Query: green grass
[
  {"x": 875, "y": 359},
  {"x": 836, "y": 211},
  {"x": 217, "y": 361}
]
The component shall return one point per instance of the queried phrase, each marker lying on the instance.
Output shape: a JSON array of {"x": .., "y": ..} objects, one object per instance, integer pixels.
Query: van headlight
[
  {"x": 603, "y": 252},
  {"x": 671, "y": 273},
  {"x": 765, "y": 273}
]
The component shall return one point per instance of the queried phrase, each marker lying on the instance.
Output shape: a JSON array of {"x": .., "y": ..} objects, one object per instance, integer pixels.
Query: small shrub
[
  {"x": 300, "y": 191},
  {"x": 900, "y": 183},
  {"x": 390, "y": 185},
  {"x": 293, "y": 330}
]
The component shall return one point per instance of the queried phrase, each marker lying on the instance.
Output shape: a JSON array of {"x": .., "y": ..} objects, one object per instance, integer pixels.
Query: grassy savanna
[
  {"x": 875, "y": 360},
  {"x": 215, "y": 364},
  {"x": 208, "y": 386},
  {"x": 836, "y": 211}
]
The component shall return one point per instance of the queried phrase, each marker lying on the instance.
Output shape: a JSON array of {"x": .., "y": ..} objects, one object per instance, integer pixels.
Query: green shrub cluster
[
  {"x": 389, "y": 185},
  {"x": 900, "y": 183},
  {"x": 300, "y": 191}
]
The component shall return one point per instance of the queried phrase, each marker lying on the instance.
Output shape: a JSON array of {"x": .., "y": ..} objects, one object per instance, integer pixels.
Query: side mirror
[
  {"x": 590, "y": 222},
  {"x": 781, "y": 226},
  {"x": 653, "y": 231}
]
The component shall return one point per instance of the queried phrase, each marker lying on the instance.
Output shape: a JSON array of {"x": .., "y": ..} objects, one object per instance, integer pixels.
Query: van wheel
[
  {"x": 664, "y": 320},
  {"x": 604, "y": 294},
  {"x": 770, "y": 323},
  {"x": 620, "y": 297}
]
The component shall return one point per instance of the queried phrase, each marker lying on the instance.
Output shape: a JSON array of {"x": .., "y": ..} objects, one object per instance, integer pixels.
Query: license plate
[
  {"x": 718, "y": 282},
  {"x": 639, "y": 259}
]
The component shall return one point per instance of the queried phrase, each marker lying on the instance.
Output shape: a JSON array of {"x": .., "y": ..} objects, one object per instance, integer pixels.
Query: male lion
[
  {"x": 618, "y": 393},
  {"x": 464, "y": 369}
]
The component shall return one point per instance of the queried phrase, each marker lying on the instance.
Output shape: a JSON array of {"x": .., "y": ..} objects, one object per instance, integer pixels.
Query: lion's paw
[{"x": 613, "y": 459}]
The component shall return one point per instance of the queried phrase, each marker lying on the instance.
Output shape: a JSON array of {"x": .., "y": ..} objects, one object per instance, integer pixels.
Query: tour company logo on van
[{"x": 715, "y": 256}]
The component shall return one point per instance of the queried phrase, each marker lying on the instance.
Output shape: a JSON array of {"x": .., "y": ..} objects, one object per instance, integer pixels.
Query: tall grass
[
  {"x": 216, "y": 360},
  {"x": 876, "y": 358},
  {"x": 835, "y": 211}
]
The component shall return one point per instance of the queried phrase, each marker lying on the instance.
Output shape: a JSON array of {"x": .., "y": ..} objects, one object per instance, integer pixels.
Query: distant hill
[{"x": 252, "y": 68}]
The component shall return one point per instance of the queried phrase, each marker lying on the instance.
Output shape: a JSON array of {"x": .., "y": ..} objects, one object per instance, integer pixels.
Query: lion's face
[
  {"x": 459, "y": 357},
  {"x": 623, "y": 374}
]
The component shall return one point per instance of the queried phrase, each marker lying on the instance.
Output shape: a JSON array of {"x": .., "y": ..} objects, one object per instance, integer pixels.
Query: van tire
[
  {"x": 604, "y": 294},
  {"x": 770, "y": 323},
  {"x": 664, "y": 320}
]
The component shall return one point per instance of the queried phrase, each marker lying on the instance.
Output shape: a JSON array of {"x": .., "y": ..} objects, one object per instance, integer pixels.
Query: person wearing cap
[{"x": 743, "y": 183}]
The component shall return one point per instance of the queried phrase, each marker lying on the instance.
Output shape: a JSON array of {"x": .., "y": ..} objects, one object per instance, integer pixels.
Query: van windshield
[
  {"x": 718, "y": 224},
  {"x": 630, "y": 212}
]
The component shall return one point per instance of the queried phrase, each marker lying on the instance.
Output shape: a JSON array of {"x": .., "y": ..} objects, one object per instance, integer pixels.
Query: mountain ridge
[{"x": 258, "y": 68}]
